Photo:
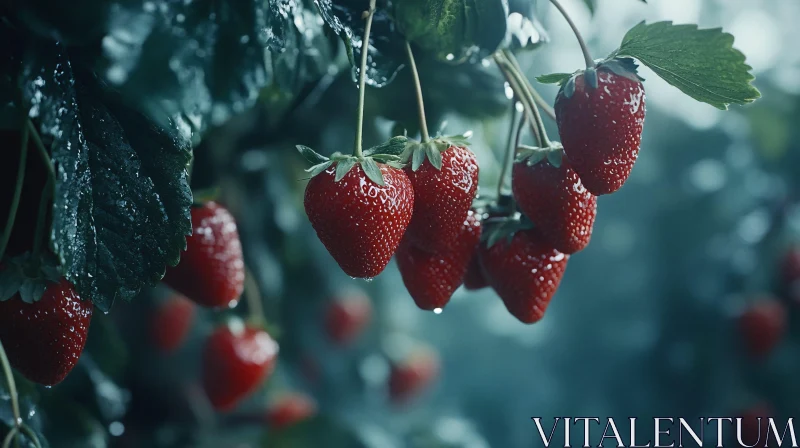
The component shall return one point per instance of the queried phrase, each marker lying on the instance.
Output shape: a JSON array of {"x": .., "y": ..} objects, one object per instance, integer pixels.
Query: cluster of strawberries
[{"x": 421, "y": 208}]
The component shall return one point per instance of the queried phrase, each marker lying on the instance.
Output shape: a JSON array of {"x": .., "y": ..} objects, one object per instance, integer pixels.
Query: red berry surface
[
  {"x": 524, "y": 272},
  {"x": 442, "y": 198},
  {"x": 211, "y": 270},
  {"x": 290, "y": 409},
  {"x": 412, "y": 376},
  {"x": 44, "y": 340},
  {"x": 171, "y": 322},
  {"x": 236, "y": 360},
  {"x": 347, "y": 316},
  {"x": 432, "y": 277},
  {"x": 763, "y": 325},
  {"x": 474, "y": 278},
  {"x": 601, "y": 129},
  {"x": 557, "y": 203},
  {"x": 360, "y": 222}
]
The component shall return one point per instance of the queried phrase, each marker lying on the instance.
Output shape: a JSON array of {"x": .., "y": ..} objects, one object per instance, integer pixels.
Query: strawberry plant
[{"x": 121, "y": 117}]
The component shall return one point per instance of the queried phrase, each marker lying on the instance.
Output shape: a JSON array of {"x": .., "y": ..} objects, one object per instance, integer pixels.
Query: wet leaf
[
  {"x": 203, "y": 60},
  {"x": 121, "y": 207},
  {"x": 454, "y": 30},
  {"x": 372, "y": 171},
  {"x": 386, "y": 46},
  {"x": 343, "y": 167}
]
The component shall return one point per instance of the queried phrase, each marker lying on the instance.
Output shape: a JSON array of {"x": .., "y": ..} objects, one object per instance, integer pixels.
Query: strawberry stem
[
  {"x": 537, "y": 98},
  {"x": 47, "y": 193},
  {"x": 423, "y": 125},
  {"x": 12, "y": 391},
  {"x": 510, "y": 147},
  {"x": 539, "y": 129},
  {"x": 584, "y": 48},
  {"x": 255, "y": 308},
  {"x": 12, "y": 213},
  {"x": 362, "y": 79}
]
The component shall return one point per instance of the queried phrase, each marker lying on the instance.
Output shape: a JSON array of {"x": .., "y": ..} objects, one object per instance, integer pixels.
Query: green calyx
[
  {"x": 416, "y": 152},
  {"x": 387, "y": 153},
  {"x": 503, "y": 228},
  {"x": 29, "y": 276},
  {"x": 622, "y": 66},
  {"x": 531, "y": 155}
]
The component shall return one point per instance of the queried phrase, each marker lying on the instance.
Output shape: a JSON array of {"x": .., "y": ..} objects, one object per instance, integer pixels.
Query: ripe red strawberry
[
  {"x": 556, "y": 201},
  {"x": 442, "y": 198},
  {"x": 236, "y": 360},
  {"x": 44, "y": 339},
  {"x": 474, "y": 278},
  {"x": 409, "y": 377},
  {"x": 601, "y": 127},
  {"x": 359, "y": 221},
  {"x": 290, "y": 409},
  {"x": 171, "y": 322},
  {"x": 211, "y": 270},
  {"x": 524, "y": 272},
  {"x": 432, "y": 277},
  {"x": 347, "y": 316},
  {"x": 763, "y": 325}
]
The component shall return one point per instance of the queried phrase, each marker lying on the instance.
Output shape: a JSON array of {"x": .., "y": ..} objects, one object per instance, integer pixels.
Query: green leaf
[
  {"x": 372, "y": 171},
  {"x": 453, "y": 29},
  {"x": 121, "y": 204},
  {"x": 554, "y": 78},
  {"x": 702, "y": 63},
  {"x": 316, "y": 169},
  {"x": 343, "y": 167},
  {"x": 316, "y": 432},
  {"x": 417, "y": 157},
  {"x": 311, "y": 155},
  {"x": 386, "y": 45},
  {"x": 433, "y": 154},
  {"x": 393, "y": 146}
]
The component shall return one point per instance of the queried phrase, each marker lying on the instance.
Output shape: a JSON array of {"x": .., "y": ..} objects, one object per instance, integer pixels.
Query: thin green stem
[
  {"x": 11, "y": 436},
  {"x": 47, "y": 193},
  {"x": 537, "y": 98},
  {"x": 518, "y": 137},
  {"x": 48, "y": 164},
  {"x": 524, "y": 85},
  {"x": 510, "y": 148},
  {"x": 362, "y": 79},
  {"x": 584, "y": 48},
  {"x": 12, "y": 212},
  {"x": 255, "y": 307},
  {"x": 423, "y": 124},
  {"x": 517, "y": 83},
  {"x": 12, "y": 386}
]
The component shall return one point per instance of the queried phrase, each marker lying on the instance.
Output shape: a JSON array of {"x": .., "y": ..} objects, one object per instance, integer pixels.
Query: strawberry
[
  {"x": 600, "y": 123},
  {"x": 360, "y": 221},
  {"x": 474, "y": 278},
  {"x": 347, "y": 316},
  {"x": 290, "y": 409},
  {"x": 211, "y": 270},
  {"x": 762, "y": 326},
  {"x": 44, "y": 339},
  {"x": 525, "y": 272},
  {"x": 171, "y": 322},
  {"x": 552, "y": 196},
  {"x": 444, "y": 186},
  {"x": 236, "y": 360},
  {"x": 432, "y": 277},
  {"x": 409, "y": 377}
]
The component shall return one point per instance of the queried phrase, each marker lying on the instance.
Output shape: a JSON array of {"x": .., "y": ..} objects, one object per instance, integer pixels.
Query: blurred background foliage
[{"x": 644, "y": 322}]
